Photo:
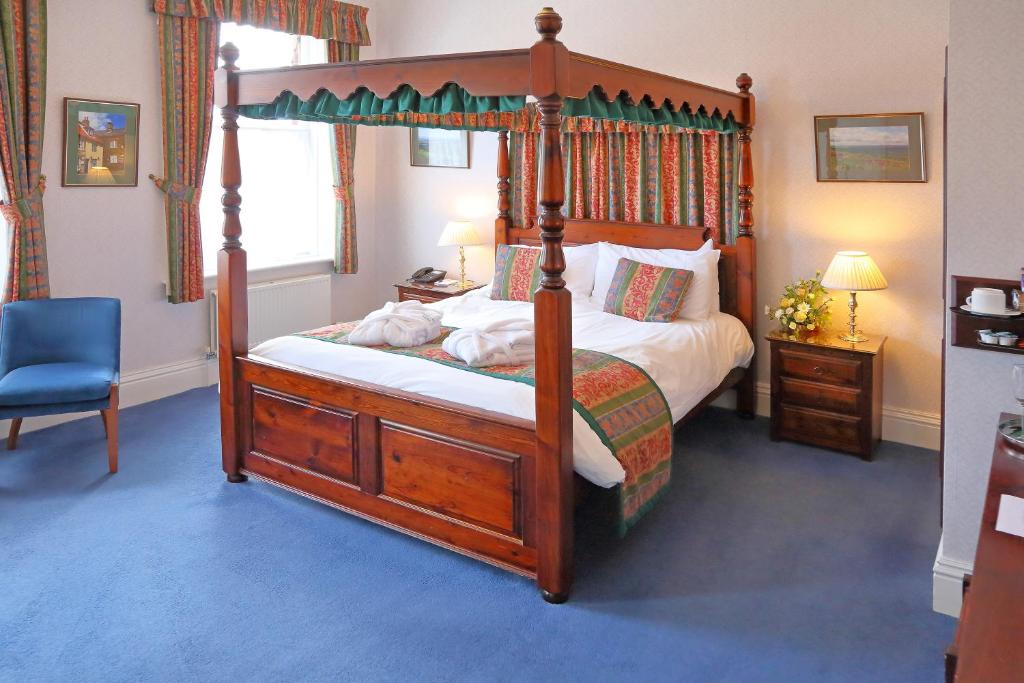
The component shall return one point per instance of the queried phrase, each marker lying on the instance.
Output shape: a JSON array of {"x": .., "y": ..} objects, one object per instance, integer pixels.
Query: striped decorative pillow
[
  {"x": 516, "y": 273},
  {"x": 644, "y": 292}
]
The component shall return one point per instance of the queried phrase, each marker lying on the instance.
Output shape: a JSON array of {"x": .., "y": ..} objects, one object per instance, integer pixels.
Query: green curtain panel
[
  {"x": 328, "y": 19},
  {"x": 22, "y": 109},
  {"x": 343, "y": 156},
  {"x": 454, "y": 108},
  {"x": 188, "y": 58},
  {"x": 655, "y": 175}
]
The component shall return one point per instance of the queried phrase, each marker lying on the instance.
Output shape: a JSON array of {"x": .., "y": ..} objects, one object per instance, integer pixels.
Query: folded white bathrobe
[
  {"x": 502, "y": 342},
  {"x": 408, "y": 323}
]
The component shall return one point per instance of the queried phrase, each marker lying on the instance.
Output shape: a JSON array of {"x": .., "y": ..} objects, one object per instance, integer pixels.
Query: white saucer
[{"x": 1010, "y": 313}]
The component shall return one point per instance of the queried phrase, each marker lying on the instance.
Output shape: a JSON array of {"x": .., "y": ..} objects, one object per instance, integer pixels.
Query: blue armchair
[{"x": 61, "y": 356}]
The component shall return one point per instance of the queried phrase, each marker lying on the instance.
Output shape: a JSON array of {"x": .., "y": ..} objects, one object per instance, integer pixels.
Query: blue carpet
[{"x": 764, "y": 562}]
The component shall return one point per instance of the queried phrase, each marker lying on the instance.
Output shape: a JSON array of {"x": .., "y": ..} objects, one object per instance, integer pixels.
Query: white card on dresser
[{"x": 1011, "y": 515}]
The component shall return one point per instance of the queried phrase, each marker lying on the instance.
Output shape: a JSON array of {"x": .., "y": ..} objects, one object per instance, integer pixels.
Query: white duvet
[{"x": 686, "y": 358}]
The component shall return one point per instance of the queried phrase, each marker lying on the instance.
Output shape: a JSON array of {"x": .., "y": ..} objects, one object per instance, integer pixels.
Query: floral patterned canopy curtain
[
  {"x": 642, "y": 174},
  {"x": 22, "y": 108},
  {"x": 188, "y": 31},
  {"x": 343, "y": 157}
]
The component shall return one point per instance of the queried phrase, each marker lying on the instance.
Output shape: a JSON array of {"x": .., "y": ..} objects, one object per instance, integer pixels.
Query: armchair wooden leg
[
  {"x": 110, "y": 426},
  {"x": 12, "y": 436}
]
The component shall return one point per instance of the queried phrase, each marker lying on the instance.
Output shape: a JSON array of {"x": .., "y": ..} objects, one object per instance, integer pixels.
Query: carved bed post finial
[
  {"x": 548, "y": 23},
  {"x": 504, "y": 220},
  {"x": 744, "y": 81},
  {"x": 231, "y": 173}
]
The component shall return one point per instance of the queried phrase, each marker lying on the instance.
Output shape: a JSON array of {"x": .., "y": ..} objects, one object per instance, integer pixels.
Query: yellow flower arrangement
[{"x": 803, "y": 306}]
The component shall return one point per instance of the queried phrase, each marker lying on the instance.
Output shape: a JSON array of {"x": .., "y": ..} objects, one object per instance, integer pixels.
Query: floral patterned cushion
[
  {"x": 516, "y": 273},
  {"x": 644, "y": 292}
]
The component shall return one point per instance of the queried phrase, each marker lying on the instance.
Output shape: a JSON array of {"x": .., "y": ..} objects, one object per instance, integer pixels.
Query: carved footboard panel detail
[{"x": 458, "y": 477}]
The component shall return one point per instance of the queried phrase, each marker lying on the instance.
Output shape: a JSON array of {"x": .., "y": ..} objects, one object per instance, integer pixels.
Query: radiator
[{"x": 281, "y": 307}]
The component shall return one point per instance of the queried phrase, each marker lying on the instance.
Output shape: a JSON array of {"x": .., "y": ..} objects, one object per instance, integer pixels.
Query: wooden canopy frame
[{"x": 484, "y": 484}]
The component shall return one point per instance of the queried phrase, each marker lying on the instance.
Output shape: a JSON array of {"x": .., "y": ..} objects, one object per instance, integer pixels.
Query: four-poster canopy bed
[{"x": 494, "y": 487}]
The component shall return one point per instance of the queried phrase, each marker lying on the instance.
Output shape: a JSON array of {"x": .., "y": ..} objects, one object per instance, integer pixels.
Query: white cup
[{"x": 987, "y": 300}]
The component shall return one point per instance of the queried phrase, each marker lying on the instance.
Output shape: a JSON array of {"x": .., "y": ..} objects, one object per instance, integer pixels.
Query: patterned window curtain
[
  {"x": 647, "y": 175},
  {"x": 188, "y": 32},
  {"x": 22, "y": 109},
  {"x": 188, "y": 58},
  {"x": 343, "y": 155}
]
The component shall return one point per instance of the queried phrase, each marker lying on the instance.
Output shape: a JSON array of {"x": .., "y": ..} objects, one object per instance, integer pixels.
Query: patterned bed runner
[{"x": 620, "y": 401}]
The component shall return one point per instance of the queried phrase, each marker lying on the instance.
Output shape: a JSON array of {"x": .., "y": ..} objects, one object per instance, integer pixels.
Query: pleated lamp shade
[
  {"x": 853, "y": 271},
  {"x": 458, "y": 233}
]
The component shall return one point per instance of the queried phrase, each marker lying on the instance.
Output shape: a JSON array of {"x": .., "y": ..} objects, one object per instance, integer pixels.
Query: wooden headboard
[{"x": 653, "y": 236}]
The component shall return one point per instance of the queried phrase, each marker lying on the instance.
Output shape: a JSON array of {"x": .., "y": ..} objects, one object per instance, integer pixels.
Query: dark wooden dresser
[
  {"x": 989, "y": 643},
  {"x": 827, "y": 392}
]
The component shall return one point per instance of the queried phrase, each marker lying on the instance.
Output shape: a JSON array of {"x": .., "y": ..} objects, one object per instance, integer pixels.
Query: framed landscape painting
[
  {"x": 887, "y": 148},
  {"x": 439, "y": 147},
  {"x": 101, "y": 144}
]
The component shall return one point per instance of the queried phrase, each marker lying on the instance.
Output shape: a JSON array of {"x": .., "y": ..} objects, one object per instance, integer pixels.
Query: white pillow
[
  {"x": 702, "y": 299},
  {"x": 580, "y": 264}
]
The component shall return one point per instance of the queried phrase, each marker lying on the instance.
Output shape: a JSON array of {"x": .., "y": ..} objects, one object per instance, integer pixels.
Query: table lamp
[
  {"x": 461, "y": 234},
  {"x": 853, "y": 271}
]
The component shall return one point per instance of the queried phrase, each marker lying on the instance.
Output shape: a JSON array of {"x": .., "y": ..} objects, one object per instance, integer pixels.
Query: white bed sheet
[{"x": 687, "y": 359}]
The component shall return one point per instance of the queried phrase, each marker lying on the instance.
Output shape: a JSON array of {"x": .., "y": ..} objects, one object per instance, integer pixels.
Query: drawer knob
[{"x": 818, "y": 370}]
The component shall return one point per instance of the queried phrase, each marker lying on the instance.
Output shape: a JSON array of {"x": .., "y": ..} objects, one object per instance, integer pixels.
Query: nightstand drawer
[
  {"x": 820, "y": 368},
  {"x": 817, "y": 395},
  {"x": 424, "y": 298},
  {"x": 819, "y": 427}
]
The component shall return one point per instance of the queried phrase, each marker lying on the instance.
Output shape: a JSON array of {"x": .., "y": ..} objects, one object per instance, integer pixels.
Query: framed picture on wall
[
  {"x": 881, "y": 148},
  {"x": 101, "y": 143},
  {"x": 439, "y": 147}
]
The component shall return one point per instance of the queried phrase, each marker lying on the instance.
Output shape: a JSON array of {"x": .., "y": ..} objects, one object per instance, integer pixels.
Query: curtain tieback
[
  {"x": 26, "y": 206},
  {"x": 179, "y": 192}
]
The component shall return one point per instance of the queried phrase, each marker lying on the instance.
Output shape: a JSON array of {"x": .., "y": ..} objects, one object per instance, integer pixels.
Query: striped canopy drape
[
  {"x": 643, "y": 174},
  {"x": 22, "y": 109},
  {"x": 188, "y": 31}
]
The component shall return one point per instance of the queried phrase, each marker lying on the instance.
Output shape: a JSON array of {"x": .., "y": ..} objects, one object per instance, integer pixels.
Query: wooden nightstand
[
  {"x": 827, "y": 392},
  {"x": 428, "y": 294}
]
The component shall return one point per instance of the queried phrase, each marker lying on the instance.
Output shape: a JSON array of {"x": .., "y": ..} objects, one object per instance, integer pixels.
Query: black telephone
[{"x": 425, "y": 276}]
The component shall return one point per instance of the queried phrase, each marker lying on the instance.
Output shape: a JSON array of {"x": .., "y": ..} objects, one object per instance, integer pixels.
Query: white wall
[
  {"x": 111, "y": 241},
  {"x": 807, "y": 57},
  {"x": 984, "y": 238}
]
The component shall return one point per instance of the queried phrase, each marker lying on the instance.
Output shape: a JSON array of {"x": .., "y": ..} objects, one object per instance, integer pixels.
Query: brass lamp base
[{"x": 853, "y": 335}]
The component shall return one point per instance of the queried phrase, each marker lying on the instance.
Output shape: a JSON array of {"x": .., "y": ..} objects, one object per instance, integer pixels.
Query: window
[{"x": 287, "y": 177}]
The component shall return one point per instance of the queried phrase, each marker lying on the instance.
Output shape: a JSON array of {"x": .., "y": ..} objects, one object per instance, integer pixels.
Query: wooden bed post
[
  {"x": 504, "y": 220},
  {"x": 553, "y": 322},
  {"x": 232, "y": 274},
  {"x": 746, "y": 266}
]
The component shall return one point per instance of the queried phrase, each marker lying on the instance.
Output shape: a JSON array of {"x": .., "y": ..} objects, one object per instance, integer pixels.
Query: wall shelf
[{"x": 964, "y": 325}]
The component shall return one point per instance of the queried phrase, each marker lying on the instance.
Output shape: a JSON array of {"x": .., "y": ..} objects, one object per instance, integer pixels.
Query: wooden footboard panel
[{"x": 459, "y": 477}]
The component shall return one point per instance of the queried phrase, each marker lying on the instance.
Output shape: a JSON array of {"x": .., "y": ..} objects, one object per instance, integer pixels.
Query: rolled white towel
[
  {"x": 408, "y": 323},
  {"x": 502, "y": 342}
]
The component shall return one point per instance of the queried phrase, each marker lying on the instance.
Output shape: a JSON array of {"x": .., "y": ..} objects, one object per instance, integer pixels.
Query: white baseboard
[
  {"x": 912, "y": 427},
  {"x": 948, "y": 583},
  {"x": 141, "y": 386}
]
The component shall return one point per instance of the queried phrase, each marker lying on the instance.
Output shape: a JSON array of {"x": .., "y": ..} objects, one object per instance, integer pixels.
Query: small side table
[
  {"x": 827, "y": 392},
  {"x": 428, "y": 294}
]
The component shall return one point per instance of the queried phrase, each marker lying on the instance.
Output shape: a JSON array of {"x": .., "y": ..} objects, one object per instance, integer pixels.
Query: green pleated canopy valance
[{"x": 453, "y": 108}]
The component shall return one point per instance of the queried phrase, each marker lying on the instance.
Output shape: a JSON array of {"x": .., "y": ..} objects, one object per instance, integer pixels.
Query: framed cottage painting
[
  {"x": 886, "y": 148},
  {"x": 101, "y": 144}
]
